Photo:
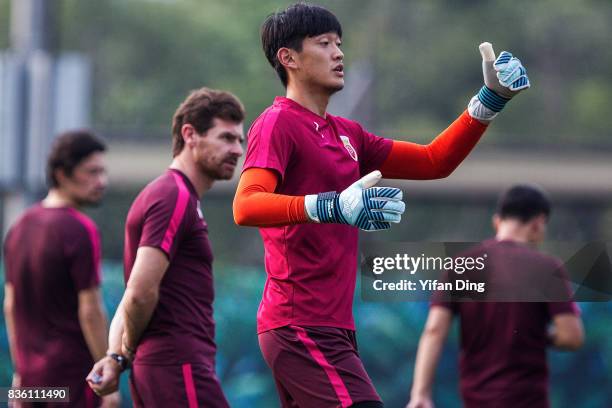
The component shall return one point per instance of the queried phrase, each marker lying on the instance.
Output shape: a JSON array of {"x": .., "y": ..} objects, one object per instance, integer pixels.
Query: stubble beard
[{"x": 215, "y": 172}]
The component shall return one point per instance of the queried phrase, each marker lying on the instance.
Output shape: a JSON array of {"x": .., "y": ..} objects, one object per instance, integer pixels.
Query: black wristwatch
[{"x": 121, "y": 360}]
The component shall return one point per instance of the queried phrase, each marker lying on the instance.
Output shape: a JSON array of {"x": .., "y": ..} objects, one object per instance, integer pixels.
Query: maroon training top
[
  {"x": 311, "y": 268},
  {"x": 503, "y": 344},
  {"x": 51, "y": 254},
  {"x": 167, "y": 215}
]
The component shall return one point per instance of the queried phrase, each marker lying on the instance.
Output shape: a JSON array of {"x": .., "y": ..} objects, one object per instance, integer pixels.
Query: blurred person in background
[
  {"x": 164, "y": 325},
  {"x": 503, "y": 344},
  {"x": 56, "y": 323},
  {"x": 305, "y": 167}
]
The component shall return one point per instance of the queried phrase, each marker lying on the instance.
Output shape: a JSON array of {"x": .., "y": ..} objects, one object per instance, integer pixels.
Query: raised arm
[
  {"x": 504, "y": 77},
  {"x": 411, "y": 161}
]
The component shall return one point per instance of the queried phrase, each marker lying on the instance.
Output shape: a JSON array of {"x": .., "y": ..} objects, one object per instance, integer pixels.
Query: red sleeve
[
  {"x": 256, "y": 204},
  {"x": 439, "y": 158}
]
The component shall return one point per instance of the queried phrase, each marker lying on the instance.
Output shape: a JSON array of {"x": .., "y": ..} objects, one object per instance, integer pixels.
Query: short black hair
[
  {"x": 524, "y": 202},
  {"x": 289, "y": 27},
  {"x": 69, "y": 149}
]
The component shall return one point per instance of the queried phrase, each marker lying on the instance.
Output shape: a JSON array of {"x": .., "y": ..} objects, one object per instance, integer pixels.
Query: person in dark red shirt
[
  {"x": 308, "y": 183},
  {"x": 164, "y": 322},
  {"x": 56, "y": 323},
  {"x": 503, "y": 344}
]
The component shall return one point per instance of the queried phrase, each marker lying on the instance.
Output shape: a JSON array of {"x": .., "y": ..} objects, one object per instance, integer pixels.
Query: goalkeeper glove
[
  {"x": 361, "y": 205},
  {"x": 504, "y": 77}
]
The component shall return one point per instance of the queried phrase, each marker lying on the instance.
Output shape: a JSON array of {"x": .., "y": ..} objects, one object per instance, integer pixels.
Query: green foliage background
[{"x": 147, "y": 54}]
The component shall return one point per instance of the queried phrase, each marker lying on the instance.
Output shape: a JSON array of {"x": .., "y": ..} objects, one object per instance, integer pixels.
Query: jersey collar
[
  {"x": 188, "y": 183},
  {"x": 319, "y": 122}
]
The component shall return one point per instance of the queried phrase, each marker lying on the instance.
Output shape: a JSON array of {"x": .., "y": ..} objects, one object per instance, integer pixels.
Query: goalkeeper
[{"x": 305, "y": 167}]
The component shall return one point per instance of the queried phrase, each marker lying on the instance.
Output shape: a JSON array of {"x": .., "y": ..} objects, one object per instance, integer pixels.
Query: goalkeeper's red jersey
[{"x": 311, "y": 268}]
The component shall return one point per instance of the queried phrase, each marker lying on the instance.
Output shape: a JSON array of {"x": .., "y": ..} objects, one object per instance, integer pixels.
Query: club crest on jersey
[{"x": 349, "y": 148}]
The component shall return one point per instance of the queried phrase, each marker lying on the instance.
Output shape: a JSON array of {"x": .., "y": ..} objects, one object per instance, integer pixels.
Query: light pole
[{"x": 26, "y": 105}]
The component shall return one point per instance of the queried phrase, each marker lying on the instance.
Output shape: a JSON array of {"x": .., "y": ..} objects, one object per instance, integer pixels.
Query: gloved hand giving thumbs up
[{"x": 504, "y": 77}]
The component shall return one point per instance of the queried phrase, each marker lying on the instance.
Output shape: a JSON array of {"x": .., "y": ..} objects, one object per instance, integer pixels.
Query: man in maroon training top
[
  {"x": 165, "y": 319},
  {"x": 56, "y": 323},
  {"x": 503, "y": 344},
  {"x": 308, "y": 183}
]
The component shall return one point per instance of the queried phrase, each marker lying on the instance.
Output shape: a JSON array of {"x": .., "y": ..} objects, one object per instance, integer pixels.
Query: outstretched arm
[
  {"x": 411, "y": 161},
  {"x": 504, "y": 77}
]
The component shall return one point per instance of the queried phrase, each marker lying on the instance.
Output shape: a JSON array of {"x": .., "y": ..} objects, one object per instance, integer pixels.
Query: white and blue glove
[
  {"x": 504, "y": 77},
  {"x": 361, "y": 205}
]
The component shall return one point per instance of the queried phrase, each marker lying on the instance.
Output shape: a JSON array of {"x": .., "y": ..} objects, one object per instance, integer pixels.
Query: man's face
[
  {"x": 88, "y": 181},
  {"x": 319, "y": 64},
  {"x": 217, "y": 151}
]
